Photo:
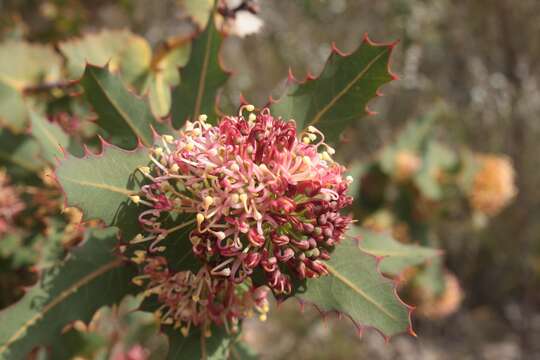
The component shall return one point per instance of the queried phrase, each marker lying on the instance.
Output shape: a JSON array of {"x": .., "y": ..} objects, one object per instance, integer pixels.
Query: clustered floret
[{"x": 261, "y": 201}]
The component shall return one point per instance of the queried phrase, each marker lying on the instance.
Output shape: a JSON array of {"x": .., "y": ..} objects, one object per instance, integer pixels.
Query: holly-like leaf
[
  {"x": 121, "y": 50},
  {"x": 355, "y": 287},
  {"x": 339, "y": 95},
  {"x": 201, "y": 79},
  {"x": 100, "y": 185},
  {"x": 122, "y": 114},
  {"x": 51, "y": 137},
  {"x": 23, "y": 65},
  {"x": 91, "y": 277},
  {"x": 197, "y": 346},
  {"x": 396, "y": 257}
]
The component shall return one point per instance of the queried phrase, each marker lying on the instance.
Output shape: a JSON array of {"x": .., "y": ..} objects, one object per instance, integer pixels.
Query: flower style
[{"x": 260, "y": 200}]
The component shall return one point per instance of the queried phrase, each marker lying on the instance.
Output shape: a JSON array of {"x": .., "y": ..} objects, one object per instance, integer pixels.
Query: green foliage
[
  {"x": 23, "y": 65},
  {"x": 66, "y": 292},
  {"x": 51, "y": 137},
  {"x": 201, "y": 79},
  {"x": 340, "y": 94},
  {"x": 198, "y": 10},
  {"x": 396, "y": 257},
  {"x": 131, "y": 56},
  {"x": 124, "y": 116},
  {"x": 354, "y": 287},
  {"x": 129, "y": 86},
  {"x": 20, "y": 153},
  {"x": 120, "y": 50},
  {"x": 100, "y": 185}
]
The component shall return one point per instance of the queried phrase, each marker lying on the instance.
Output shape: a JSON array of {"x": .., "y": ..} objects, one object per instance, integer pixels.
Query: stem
[{"x": 45, "y": 87}]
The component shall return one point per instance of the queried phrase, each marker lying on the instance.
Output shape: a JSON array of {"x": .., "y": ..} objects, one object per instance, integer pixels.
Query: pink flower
[
  {"x": 257, "y": 198},
  {"x": 252, "y": 187}
]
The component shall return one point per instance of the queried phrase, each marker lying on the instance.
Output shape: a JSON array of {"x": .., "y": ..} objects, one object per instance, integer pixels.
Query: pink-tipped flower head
[
  {"x": 257, "y": 198},
  {"x": 260, "y": 197}
]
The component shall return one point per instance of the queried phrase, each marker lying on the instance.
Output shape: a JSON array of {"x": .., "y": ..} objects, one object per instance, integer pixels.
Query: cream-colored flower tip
[{"x": 493, "y": 185}]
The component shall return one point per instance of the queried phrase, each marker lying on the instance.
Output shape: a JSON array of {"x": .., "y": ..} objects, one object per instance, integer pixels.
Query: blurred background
[{"x": 472, "y": 67}]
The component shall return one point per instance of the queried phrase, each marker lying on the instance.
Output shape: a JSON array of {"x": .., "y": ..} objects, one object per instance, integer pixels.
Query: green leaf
[
  {"x": 23, "y": 65},
  {"x": 396, "y": 256},
  {"x": 198, "y": 10},
  {"x": 413, "y": 138},
  {"x": 122, "y": 114},
  {"x": 196, "y": 346},
  {"x": 354, "y": 287},
  {"x": 437, "y": 158},
  {"x": 20, "y": 154},
  {"x": 74, "y": 289},
  {"x": 100, "y": 185},
  {"x": 51, "y": 137},
  {"x": 431, "y": 278},
  {"x": 201, "y": 79},
  {"x": 163, "y": 74},
  {"x": 340, "y": 94},
  {"x": 121, "y": 50}
]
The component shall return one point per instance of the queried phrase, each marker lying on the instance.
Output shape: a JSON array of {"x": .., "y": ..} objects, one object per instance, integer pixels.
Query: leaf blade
[
  {"x": 396, "y": 256},
  {"x": 100, "y": 185},
  {"x": 340, "y": 93},
  {"x": 52, "y": 138},
  {"x": 201, "y": 79},
  {"x": 121, "y": 113},
  {"x": 354, "y": 287},
  {"x": 64, "y": 295}
]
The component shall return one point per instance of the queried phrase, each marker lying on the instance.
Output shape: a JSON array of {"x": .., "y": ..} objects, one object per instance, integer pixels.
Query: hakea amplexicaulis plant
[{"x": 259, "y": 197}]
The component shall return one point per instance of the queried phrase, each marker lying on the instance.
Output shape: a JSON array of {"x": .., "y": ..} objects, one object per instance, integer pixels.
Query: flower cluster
[
  {"x": 493, "y": 184},
  {"x": 407, "y": 164},
  {"x": 260, "y": 200},
  {"x": 434, "y": 306},
  {"x": 10, "y": 204},
  {"x": 199, "y": 299}
]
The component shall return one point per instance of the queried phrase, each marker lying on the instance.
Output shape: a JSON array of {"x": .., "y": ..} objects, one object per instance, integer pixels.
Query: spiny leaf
[
  {"x": 91, "y": 277},
  {"x": 122, "y": 50},
  {"x": 23, "y": 65},
  {"x": 197, "y": 346},
  {"x": 51, "y": 137},
  {"x": 121, "y": 113},
  {"x": 396, "y": 256},
  {"x": 355, "y": 288},
  {"x": 100, "y": 185},
  {"x": 201, "y": 79},
  {"x": 340, "y": 94}
]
